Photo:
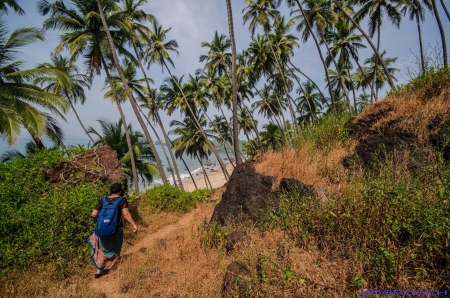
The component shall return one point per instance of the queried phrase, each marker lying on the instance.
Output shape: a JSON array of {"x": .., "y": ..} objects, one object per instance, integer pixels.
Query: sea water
[{"x": 192, "y": 163}]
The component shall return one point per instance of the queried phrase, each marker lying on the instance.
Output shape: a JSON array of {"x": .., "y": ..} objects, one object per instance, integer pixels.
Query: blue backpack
[{"x": 108, "y": 218}]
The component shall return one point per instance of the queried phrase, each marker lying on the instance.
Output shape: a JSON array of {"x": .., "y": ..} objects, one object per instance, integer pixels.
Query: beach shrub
[
  {"x": 41, "y": 224},
  {"x": 167, "y": 197}
]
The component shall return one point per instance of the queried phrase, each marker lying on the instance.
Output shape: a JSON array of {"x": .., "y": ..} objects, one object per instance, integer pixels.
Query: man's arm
[{"x": 126, "y": 214}]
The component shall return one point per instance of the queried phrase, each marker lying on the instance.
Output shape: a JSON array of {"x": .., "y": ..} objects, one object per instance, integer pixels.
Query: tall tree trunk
[
  {"x": 162, "y": 146},
  {"x": 288, "y": 96},
  {"x": 286, "y": 134},
  {"x": 308, "y": 78},
  {"x": 254, "y": 126},
  {"x": 330, "y": 90},
  {"x": 422, "y": 59},
  {"x": 234, "y": 84},
  {"x": 268, "y": 105},
  {"x": 130, "y": 147},
  {"x": 185, "y": 165},
  {"x": 372, "y": 96},
  {"x": 79, "y": 120},
  {"x": 205, "y": 176},
  {"x": 389, "y": 77},
  {"x": 130, "y": 94},
  {"x": 122, "y": 116},
  {"x": 374, "y": 86},
  {"x": 158, "y": 119},
  {"x": 199, "y": 127},
  {"x": 353, "y": 87},
  {"x": 441, "y": 30},
  {"x": 301, "y": 88},
  {"x": 445, "y": 9},
  {"x": 228, "y": 156},
  {"x": 336, "y": 65}
]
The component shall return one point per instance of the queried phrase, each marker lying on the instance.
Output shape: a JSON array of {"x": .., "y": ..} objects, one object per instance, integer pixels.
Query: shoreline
[{"x": 215, "y": 175}]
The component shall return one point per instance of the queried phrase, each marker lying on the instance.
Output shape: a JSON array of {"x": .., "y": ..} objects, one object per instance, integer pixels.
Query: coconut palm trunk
[
  {"x": 336, "y": 65},
  {"x": 158, "y": 119},
  {"x": 130, "y": 148},
  {"x": 330, "y": 90},
  {"x": 124, "y": 122},
  {"x": 386, "y": 70},
  {"x": 199, "y": 127},
  {"x": 445, "y": 9},
  {"x": 234, "y": 84},
  {"x": 254, "y": 126},
  {"x": 422, "y": 59},
  {"x": 79, "y": 120},
  {"x": 309, "y": 79},
  {"x": 130, "y": 94},
  {"x": 162, "y": 145},
  {"x": 441, "y": 30},
  {"x": 187, "y": 168},
  {"x": 288, "y": 96}
]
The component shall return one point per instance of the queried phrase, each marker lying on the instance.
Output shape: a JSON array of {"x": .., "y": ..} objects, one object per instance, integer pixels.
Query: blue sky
[{"x": 194, "y": 21}]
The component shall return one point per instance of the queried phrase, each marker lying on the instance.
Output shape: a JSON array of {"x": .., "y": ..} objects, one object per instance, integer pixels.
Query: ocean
[{"x": 193, "y": 164}]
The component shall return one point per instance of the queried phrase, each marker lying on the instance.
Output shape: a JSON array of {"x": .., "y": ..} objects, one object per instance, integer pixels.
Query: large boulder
[
  {"x": 101, "y": 164},
  {"x": 249, "y": 192}
]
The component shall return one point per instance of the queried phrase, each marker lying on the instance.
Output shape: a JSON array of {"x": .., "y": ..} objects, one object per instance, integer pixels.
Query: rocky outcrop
[
  {"x": 101, "y": 164},
  {"x": 248, "y": 193}
]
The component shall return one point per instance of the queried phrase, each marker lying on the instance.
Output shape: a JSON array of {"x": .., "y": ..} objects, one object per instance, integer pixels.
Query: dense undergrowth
[
  {"x": 42, "y": 224},
  {"x": 383, "y": 228},
  {"x": 169, "y": 198}
]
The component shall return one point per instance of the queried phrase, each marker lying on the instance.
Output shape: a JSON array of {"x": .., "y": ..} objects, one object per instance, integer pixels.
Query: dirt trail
[{"x": 109, "y": 285}]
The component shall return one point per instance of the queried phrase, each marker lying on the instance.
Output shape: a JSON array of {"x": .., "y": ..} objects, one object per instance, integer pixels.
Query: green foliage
[
  {"x": 40, "y": 223},
  {"x": 395, "y": 223},
  {"x": 170, "y": 198},
  {"x": 426, "y": 85},
  {"x": 325, "y": 132}
]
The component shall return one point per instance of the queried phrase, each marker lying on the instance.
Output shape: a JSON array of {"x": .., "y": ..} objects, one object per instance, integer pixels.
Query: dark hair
[{"x": 116, "y": 188}]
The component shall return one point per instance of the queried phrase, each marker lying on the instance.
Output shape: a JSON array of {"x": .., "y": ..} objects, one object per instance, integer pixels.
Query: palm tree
[
  {"x": 309, "y": 100},
  {"x": 234, "y": 85},
  {"x": 374, "y": 70},
  {"x": 441, "y": 30},
  {"x": 272, "y": 136},
  {"x": 12, "y": 4},
  {"x": 416, "y": 12},
  {"x": 113, "y": 135},
  {"x": 20, "y": 99},
  {"x": 445, "y": 9},
  {"x": 269, "y": 106},
  {"x": 377, "y": 53},
  {"x": 309, "y": 32},
  {"x": 245, "y": 123},
  {"x": 259, "y": 12},
  {"x": 217, "y": 59},
  {"x": 74, "y": 92},
  {"x": 157, "y": 52},
  {"x": 376, "y": 9},
  {"x": 220, "y": 124},
  {"x": 133, "y": 18},
  {"x": 128, "y": 90},
  {"x": 191, "y": 140},
  {"x": 345, "y": 44}
]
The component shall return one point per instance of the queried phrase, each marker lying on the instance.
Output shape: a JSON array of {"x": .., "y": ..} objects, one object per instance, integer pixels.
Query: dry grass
[
  {"x": 317, "y": 168},
  {"x": 411, "y": 112}
]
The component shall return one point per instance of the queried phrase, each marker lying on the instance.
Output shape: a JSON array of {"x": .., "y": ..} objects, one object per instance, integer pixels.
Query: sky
[{"x": 195, "y": 21}]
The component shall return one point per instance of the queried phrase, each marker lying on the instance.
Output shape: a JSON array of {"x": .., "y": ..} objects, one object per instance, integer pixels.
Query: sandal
[{"x": 97, "y": 275}]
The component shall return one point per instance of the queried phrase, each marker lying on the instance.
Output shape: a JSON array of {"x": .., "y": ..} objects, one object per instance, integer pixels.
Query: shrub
[
  {"x": 397, "y": 224},
  {"x": 41, "y": 224},
  {"x": 170, "y": 198}
]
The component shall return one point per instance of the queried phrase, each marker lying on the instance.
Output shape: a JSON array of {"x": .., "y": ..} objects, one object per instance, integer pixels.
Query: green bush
[
  {"x": 170, "y": 198},
  {"x": 397, "y": 224},
  {"x": 325, "y": 132},
  {"x": 41, "y": 224},
  {"x": 426, "y": 85}
]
